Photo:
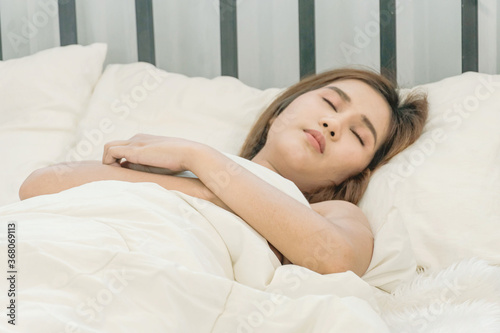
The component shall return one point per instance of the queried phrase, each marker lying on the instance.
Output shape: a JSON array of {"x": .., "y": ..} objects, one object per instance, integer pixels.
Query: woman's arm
[
  {"x": 332, "y": 237},
  {"x": 63, "y": 176}
]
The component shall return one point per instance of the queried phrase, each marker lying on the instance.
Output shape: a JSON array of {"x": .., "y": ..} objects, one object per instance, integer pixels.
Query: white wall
[
  {"x": 489, "y": 30},
  {"x": 187, "y": 35},
  {"x": 347, "y": 33},
  {"x": 268, "y": 50},
  {"x": 108, "y": 21},
  {"x": 28, "y": 27}
]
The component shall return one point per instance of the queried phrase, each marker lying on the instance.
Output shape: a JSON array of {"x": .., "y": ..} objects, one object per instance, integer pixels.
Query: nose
[{"x": 331, "y": 128}]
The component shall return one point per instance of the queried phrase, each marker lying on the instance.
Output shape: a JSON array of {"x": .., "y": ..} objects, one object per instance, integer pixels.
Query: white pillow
[
  {"x": 443, "y": 192},
  {"x": 42, "y": 98},
  {"x": 140, "y": 98}
]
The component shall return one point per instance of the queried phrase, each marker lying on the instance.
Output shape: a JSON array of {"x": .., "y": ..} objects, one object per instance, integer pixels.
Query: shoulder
[
  {"x": 354, "y": 228},
  {"x": 340, "y": 209}
]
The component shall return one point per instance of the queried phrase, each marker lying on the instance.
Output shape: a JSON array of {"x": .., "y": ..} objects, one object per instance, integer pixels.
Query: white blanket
[{"x": 113, "y": 256}]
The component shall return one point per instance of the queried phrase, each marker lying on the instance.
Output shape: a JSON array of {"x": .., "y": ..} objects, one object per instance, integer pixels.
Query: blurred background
[{"x": 187, "y": 36}]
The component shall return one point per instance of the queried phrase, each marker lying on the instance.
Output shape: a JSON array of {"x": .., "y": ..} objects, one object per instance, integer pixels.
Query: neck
[{"x": 262, "y": 160}]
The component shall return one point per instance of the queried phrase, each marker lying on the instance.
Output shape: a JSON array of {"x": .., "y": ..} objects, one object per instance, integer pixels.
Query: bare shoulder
[
  {"x": 341, "y": 210},
  {"x": 354, "y": 228}
]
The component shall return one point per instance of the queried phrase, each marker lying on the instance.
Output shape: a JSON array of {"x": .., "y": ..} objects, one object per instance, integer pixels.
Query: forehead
[{"x": 365, "y": 100}]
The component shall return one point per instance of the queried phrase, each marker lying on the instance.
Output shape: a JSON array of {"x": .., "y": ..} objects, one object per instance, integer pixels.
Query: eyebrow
[
  {"x": 364, "y": 118},
  {"x": 341, "y": 93}
]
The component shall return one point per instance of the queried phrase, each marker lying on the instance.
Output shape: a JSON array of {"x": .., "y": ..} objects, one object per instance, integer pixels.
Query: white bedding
[
  {"x": 113, "y": 256},
  {"x": 116, "y": 257}
]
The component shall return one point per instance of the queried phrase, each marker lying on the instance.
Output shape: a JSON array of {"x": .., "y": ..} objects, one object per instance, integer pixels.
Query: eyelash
[
  {"x": 354, "y": 132},
  {"x": 359, "y": 138},
  {"x": 329, "y": 103}
]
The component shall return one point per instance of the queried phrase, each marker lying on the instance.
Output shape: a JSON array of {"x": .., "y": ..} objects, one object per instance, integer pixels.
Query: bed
[{"x": 113, "y": 256}]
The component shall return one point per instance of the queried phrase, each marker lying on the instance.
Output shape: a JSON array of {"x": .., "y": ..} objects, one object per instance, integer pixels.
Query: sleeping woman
[{"x": 326, "y": 134}]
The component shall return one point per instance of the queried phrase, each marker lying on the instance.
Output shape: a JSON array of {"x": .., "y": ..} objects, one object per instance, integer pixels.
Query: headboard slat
[
  {"x": 145, "y": 31},
  {"x": 307, "y": 38},
  {"x": 388, "y": 50},
  {"x": 228, "y": 37},
  {"x": 469, "y": 36},
  {"x": 1, "y": 54},
  {"x": 67, "y": 22}
]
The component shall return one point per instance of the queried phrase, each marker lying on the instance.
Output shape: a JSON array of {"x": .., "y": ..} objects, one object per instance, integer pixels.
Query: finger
[
  {"x": 125, "y": 164},
  {"x": 110, "y": 145},
  {"x": 115, "y": 154}
]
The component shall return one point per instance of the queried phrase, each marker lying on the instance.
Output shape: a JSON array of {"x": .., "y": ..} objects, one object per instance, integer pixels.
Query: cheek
[
  {"x": 278, "y": 139},
  {"x": 284, "y": 119},
  {"x": 276, "y": 132},
  {"x": 357, "y": 162}
]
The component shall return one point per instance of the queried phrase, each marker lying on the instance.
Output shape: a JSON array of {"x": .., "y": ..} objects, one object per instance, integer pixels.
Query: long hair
[{"x": 407, "y": 120}]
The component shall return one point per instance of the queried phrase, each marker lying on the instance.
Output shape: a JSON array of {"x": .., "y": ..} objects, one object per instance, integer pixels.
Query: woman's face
[{"x": 327, "y": 135}]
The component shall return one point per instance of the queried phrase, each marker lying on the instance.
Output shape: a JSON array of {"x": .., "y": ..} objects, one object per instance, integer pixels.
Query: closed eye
[
  {"x": 359, "y": 137},
  {"x": 331, "y": 105}
]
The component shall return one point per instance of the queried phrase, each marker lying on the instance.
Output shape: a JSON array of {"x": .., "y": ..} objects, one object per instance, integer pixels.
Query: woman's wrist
[
  {"x": 193, "y": 156},
  {"x": 197, "y": 159},
  {"x": 198, "y": 156}
]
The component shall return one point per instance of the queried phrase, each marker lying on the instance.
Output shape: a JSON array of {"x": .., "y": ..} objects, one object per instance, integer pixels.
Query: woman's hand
[
  {"x": 158, "y": 155},
  {"x": 150, "y": 153}
]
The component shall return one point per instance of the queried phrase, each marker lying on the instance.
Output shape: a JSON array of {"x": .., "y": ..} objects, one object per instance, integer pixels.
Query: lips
[{"x": 316, "y": 139}]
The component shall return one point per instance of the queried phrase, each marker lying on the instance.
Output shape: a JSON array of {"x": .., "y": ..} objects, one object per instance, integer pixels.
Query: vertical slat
[
  {"x": 388, "y": 53},
  {"x": 228, "y": 38},
  {"x": 67, "y": 22},
  {"x": 307, "y": 38},
  {"x": 145, "y": 31},
  {"x": 469, "y": 36},
  {"x": 1, "y": 54}
]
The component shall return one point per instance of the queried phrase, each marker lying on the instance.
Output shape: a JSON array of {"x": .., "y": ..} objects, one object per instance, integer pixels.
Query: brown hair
[{"x": 408, "y": 117}]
